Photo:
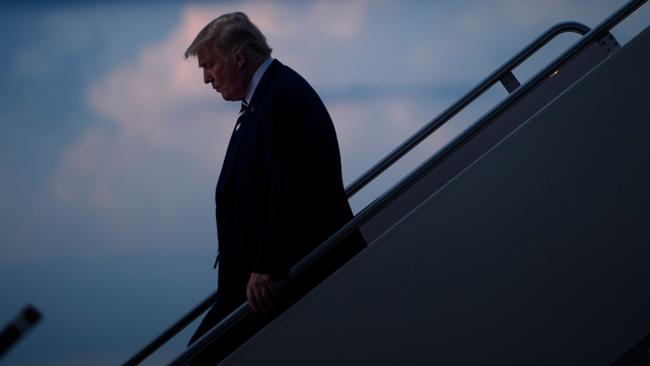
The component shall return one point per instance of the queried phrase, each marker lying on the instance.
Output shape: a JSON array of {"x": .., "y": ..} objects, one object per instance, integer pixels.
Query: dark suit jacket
[{"x": 280, "y": 192}]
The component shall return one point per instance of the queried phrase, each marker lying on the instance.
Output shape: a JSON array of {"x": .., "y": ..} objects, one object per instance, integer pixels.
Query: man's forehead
[{"x": 205, "y": 52}]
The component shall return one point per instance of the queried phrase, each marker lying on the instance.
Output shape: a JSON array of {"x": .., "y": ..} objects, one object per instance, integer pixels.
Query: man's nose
[{"x": 207, "y": 78}]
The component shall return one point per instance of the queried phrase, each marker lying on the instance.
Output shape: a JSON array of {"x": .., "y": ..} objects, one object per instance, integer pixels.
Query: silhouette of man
[{"x": 280, "y": 191}]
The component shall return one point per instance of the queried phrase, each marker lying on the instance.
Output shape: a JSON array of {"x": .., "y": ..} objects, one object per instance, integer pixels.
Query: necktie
[{"x": 242, "y": 111}]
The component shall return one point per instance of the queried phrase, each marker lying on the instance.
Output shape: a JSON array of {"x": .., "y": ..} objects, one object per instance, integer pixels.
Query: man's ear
[{"x": 240, "y": 58}]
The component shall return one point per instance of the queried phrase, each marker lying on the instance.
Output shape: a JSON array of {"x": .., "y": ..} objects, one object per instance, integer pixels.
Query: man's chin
[{"x": 229, "y": 97}]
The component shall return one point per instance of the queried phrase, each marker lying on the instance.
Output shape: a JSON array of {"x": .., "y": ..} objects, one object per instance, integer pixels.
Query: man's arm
[{"x": 290, "y": 138}]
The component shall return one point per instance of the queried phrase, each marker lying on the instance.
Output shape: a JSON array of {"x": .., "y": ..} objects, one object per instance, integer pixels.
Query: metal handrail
[
  {"x": 450, "y": 112},
  {"x": 378, "y": 168},
  {"x": 243, "y": 310},
  {"x": 387, "y": 161},
  {"x": 382, "y": 201},
  {"x": 173, "y": 330}
]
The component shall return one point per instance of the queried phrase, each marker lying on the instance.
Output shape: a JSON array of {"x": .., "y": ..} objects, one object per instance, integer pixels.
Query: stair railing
[{"x": 503, "y": 74}]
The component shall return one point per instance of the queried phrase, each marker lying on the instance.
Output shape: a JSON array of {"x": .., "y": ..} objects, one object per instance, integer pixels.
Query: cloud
[
  {"x": 128, "y": 212},
  {"x": 167, "y": 133}
]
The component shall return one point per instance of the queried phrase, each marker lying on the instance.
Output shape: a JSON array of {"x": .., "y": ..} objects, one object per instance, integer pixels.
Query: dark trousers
[{"x": 292, "y": 292}]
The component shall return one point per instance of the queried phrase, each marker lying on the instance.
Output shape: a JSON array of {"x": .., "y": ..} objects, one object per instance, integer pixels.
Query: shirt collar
[{"x": 257, "y": 76}]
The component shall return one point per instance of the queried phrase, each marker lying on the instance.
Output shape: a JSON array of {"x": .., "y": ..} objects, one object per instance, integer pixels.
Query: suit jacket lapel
[
  {"x": 237, "y": 136},
  {"x": 231, "y": 153}
]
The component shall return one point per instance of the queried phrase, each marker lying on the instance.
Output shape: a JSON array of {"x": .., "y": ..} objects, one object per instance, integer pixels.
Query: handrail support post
[{"x": 510, "y": 82}]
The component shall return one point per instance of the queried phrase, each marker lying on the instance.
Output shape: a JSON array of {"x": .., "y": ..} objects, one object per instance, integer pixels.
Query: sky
[{"x": 111, "y": 145}]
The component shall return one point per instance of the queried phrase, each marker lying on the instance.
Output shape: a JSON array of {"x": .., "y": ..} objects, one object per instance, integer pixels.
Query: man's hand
[{"x": 260, "y": 293}]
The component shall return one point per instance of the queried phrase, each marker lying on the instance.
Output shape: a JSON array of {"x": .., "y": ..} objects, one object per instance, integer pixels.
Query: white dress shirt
[{"x": 257, "y": 76}]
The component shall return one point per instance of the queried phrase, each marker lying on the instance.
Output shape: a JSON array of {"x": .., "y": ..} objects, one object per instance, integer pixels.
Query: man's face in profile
[{"x": 224, "y": 73}]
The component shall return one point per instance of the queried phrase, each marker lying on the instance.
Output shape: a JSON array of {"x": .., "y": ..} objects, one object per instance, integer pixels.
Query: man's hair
[{"x": 230, "y": 33}]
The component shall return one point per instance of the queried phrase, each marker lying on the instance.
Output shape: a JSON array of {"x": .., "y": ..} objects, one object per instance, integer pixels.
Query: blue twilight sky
[{"x": 110, "y": 145}]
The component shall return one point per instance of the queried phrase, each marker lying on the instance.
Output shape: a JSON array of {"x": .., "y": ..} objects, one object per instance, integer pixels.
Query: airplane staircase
[{"x": 524, "y": 240}]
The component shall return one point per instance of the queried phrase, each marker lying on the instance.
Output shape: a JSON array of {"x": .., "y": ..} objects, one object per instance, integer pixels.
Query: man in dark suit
[{"x": 280, "y": 192}]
